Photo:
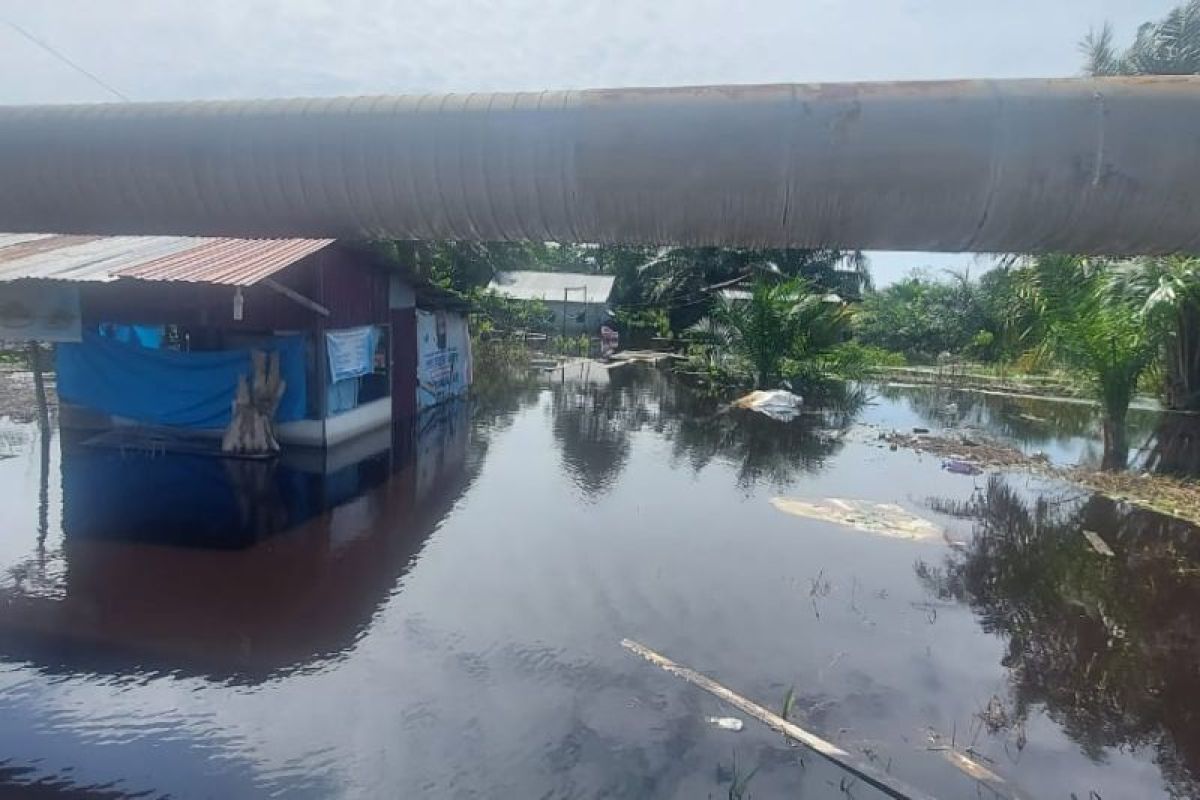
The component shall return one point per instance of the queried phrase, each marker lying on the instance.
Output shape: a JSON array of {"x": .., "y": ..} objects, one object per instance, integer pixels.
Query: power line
[{"x": 94, "y": 78}]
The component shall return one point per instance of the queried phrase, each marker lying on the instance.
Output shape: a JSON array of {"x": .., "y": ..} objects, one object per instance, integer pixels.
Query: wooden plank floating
[{"x": 860, "y": 769}]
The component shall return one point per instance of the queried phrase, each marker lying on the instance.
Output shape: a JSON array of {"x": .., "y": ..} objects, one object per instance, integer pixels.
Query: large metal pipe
[{"x": 1105, "y": 166}]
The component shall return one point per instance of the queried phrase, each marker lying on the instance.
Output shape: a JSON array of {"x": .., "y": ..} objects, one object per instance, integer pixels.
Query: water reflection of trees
[
  {"x": 1109, "y": 646},
  {"x": 498, "y": 392},
  {"x": 1174, "y": 447},
  {"x": 1025, "y": 420},
  {"x": 594, "y": 423},
  {"x": 763, "y": 450}
]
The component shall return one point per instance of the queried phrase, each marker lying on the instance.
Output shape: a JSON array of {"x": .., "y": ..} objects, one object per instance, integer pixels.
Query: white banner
[
  {"x": 443, "y": 357},
  {"x": 351, "y": 352}
]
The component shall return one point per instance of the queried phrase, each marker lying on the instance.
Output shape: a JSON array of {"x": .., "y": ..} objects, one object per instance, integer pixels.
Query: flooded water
[
  {"x": 442, "y": 618},
  {"x": 1064, "y": 430}
]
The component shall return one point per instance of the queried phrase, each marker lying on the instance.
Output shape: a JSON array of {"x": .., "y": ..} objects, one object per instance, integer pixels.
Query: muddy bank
[
  {"x": 1174, "y": 497},
  {"x": 972, "y": 449}
]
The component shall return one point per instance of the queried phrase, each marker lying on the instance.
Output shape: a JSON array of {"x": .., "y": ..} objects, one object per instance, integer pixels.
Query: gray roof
[
  {"x": 548, "y": 286},
  {"x": 237, "y": 262}
]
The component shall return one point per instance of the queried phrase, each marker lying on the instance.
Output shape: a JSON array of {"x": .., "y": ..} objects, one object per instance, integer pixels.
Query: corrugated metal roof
[
  {"x": 235, "y": 262},
  {"x": 548, "y": 286}
]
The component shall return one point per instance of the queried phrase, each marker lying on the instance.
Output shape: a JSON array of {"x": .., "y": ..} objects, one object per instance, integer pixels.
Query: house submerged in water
[
  {"x": 155, "y": 333},
  {"x": 575, "y": 302}
]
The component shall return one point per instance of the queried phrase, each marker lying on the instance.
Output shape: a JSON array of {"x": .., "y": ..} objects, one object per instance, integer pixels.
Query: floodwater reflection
[
  {"x": 1108, "y": 645},
  {"x": 1067, "y": 431},
  {"x": 228, "y": 569},
  {"x": 440, "y": 615},
  {"x": 595, "y": 417}
]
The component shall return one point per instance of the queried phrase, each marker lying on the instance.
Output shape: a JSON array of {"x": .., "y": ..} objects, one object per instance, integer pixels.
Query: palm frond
[
  {"x": 1170, "y": 46},
  {"x": 1101, "y": 58}
]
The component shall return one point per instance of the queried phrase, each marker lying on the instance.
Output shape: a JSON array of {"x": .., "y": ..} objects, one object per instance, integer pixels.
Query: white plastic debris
[
  {"x": 884, "y": 519},
  {"x": 726, "y": 723},
  {"x": 778, "y": 404}
]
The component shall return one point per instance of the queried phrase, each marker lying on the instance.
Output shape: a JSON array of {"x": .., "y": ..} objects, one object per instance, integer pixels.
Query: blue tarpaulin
[
  {"x": 145, "y": 335},
  {"x": 169, "y": 387}
]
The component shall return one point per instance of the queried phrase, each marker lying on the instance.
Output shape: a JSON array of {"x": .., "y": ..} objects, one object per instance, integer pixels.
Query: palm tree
[
  {"x": 1170, "y": 46},
  {"x": 1097, "y": 329},
  {"x": 782, "y": 321},
  {"x": 1168, "y": 291},
  {"x": 681, "y": 279}
]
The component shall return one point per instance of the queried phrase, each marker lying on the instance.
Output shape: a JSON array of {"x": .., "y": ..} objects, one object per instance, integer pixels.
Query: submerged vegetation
[{"x": 780, "y": 331}]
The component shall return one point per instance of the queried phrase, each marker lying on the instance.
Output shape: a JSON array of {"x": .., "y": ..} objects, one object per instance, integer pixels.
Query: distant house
[
  {"x": 155, "y": 331},
  {"x": 577, "y": 303}
]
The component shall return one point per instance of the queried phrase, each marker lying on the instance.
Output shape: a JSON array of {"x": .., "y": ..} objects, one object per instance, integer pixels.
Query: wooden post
[
  {"x": 39, "y": 386},
  {"x": 322, "y": 357},
  {"x": 43, "y": 412}
]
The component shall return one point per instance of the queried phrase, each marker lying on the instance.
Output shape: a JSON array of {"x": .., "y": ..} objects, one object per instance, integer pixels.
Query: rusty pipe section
[{"x": 1088, "y": 166}]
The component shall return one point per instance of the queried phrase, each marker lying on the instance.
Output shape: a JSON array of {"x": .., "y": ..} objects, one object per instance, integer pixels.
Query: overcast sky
[{"x": 187, "y": 49}]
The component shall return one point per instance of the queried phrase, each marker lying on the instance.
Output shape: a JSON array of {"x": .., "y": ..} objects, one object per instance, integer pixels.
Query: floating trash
[
  {"x": 778, "y": 404},
  {"x": 960, "y": 467},
  {"x": 885, "y": 519},
  {"x": 726, "y": 723}
]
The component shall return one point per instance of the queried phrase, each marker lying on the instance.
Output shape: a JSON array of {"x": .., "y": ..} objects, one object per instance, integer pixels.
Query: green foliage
[
  {"x": 982, "y": 343},
  {"x": 497, "y": 356},
  {"x": 789, "y": 702},
  {"x": 681, "y": 279},
  {"x": 579, "y": 345},
  {"x": 1170, "y": 46},
  {"x": 1097, "y": 327},
  {"x": 461, "y": 267},
  {"x": 784, "y": 330},
  {"x": 657, "y": 289},
  {"x": 1092, "y": 326},
  {"x": 15, "y": 357},
  {"x": 868, "y": 356},
  {"x": 654, "y": 321},
  {"x": 922, "y": 317},
  {"x": 1167, "y": 291},
  {"x": 493, "y": 313}
]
